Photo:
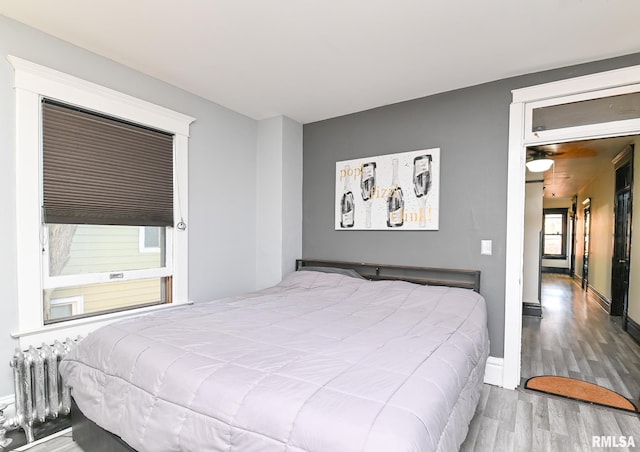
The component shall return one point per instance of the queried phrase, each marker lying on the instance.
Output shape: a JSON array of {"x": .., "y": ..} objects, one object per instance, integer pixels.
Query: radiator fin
[{"x": 40, "y": 392}]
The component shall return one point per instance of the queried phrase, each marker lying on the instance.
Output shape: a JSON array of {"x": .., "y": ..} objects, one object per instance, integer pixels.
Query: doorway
[
  {"x": 622, "y": 236},
  {"x": 597, "y": 176},
  {"x": 522, "y": 133},
  {"x": 574, "y": 237},
  {"x": 586, "y": 242}
]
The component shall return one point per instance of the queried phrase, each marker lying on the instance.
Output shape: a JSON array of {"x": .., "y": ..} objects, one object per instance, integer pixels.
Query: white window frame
[
  {"x": 149, "y": 249},
  {"x": 564, "y": 235},
  {"x": 596, "y": 129},
  {"x": 32, "y": 83},
  {"x": 82, "y": 279},
  {"x": 76, "y": 303}
]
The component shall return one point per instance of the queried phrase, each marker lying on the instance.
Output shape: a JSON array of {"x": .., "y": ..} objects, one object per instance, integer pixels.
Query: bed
[{"x": 336, "y": 357}]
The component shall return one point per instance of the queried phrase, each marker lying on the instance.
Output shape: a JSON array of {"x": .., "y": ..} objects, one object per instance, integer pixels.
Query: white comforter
[{"x": 320, "y": 362}]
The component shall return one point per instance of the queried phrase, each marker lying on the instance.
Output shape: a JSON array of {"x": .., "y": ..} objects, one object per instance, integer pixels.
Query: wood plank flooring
[
  {"x": 62, "y": 443},
  {"x": 574, "y": 338},
  {"x": 523, "y": 421},
  {"x": 577, "y": 338}
]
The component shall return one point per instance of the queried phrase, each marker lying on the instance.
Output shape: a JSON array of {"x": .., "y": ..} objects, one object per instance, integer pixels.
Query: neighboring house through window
[
  {"x": 66, "y": 307},
  {"x": 150, "y": 239}
]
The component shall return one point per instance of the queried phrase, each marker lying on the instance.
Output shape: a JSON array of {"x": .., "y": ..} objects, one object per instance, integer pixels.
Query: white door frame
[{"x": 598, "y": 85}]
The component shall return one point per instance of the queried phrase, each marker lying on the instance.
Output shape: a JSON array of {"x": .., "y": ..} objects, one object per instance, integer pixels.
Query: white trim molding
[
  {"x": 493, "y": 371},
  {"x": 514, "y": 249},
  {"x": 620, "y": 81},
  {"x": 32, "y": 83},
  {"x": 576, "y": 85},
  {"x": 66, "y": 88}
]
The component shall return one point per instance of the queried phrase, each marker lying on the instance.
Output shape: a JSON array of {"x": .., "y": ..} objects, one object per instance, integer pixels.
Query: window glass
[
  {"x": 552, "y": 245},
  {"x": 105, "y": 297},
  {"x": 152, "y": 237},
  {"x": 82, "y": 249},
  {"x": 593, "y": 111},
  {"x": 554, "y": 233},
  {"x": 61, "y": 310}
]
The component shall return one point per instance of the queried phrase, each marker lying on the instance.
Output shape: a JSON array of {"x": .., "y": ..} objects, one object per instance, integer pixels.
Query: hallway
[{"x": 576, "y": 338}]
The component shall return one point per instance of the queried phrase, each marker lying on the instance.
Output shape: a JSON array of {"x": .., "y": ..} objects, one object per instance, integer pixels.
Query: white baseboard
[{"x": 493, "y": 371}]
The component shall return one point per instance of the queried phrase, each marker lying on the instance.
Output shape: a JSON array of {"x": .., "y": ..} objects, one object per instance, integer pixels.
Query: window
[
  {"x": 103, "y": 180},
  {"x": 586, "y": 112},
  {"x": 150, "y": 239},
  {"x": 592, "y": 111},
  {"x": 103, "y": 264},
  {"x": 105, "y": 250},
  {"x": 66, "y": 307},
  {"x": 554, "y": 235}
]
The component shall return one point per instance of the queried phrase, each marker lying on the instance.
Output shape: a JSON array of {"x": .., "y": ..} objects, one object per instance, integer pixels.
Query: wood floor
[
  {"x": 62, "y": 443},
  {"x": 575, "y": 338}
]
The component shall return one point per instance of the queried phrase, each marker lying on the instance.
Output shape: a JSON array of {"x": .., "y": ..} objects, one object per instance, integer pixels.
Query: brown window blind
[{"x": 100, "y": 170}]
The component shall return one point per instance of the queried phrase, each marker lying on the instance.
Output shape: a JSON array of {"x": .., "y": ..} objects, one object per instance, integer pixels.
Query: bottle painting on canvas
[{"x": 397, "y": 192}]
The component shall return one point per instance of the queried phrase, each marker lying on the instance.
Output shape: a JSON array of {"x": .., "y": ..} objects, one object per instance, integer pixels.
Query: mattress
[{"x": 319, "y": 362}]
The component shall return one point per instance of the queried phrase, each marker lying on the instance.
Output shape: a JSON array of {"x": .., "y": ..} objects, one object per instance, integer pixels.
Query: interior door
[
  {"x": 572, "y": 259},
  {"x": 585, "y": 260},
  {"x": 622, "y": 242}
]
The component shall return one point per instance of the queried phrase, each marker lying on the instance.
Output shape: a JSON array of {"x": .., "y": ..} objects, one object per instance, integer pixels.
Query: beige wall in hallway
[{"x": 601, "y": 192}]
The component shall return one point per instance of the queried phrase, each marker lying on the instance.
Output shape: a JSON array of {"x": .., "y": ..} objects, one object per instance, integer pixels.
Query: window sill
[{"x": 81, "y": 327}]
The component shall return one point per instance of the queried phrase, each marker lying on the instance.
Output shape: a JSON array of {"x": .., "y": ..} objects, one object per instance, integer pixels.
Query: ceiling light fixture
[{"x": 539, "y": 163}]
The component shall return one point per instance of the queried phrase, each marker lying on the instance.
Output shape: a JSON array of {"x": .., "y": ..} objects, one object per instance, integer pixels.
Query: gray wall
[
  {"x": 470, "y": 126},
  {"x": 222, "y": 170},
  {"x": 279, "y": 195},
  {"x": 291, "y": 194}
]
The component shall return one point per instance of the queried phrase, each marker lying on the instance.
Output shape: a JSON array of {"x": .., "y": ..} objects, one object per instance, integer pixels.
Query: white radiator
[{"x": 40, "y": 393}]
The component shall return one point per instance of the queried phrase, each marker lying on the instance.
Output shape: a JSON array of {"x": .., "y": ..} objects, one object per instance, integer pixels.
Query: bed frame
[
  {"x": 466, "y": 279},
  {"x": 92, "y": 438}
]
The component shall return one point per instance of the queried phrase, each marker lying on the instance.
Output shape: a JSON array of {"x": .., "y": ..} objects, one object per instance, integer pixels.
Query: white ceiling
[{"x": 316, "y": 59}]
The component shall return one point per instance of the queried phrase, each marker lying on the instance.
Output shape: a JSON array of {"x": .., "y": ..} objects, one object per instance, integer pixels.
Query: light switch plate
[{"x": 485, "y": 247}]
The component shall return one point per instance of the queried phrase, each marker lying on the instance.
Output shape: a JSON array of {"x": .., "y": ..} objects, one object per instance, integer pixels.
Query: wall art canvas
[{"x": 389, "y": 192}]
